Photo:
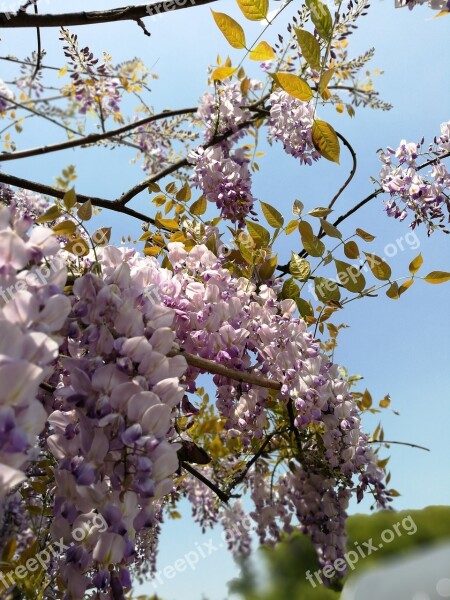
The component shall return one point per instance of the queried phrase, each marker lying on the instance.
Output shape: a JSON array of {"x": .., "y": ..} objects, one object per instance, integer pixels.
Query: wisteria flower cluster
[
  {"x": 225, "y": 180},
  {"x": 425, "y": 196},
  {"x": 5, "y": 94},
  {"x": 290, "y": 123}
]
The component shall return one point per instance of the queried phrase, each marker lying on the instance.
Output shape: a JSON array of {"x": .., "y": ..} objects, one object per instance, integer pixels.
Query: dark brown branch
[
  {"x": 94, "y": 137},
  {"x": 55, "y": 193},
  {"x": 125, "y": 13},
  {"x": 224, "y": 496}
]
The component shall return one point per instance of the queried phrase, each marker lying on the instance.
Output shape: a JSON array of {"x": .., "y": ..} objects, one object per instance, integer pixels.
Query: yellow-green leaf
[
  {"x": 102, "y": 236},
  {"x": 304, "y": 307},
  {"x": 392, "y": 291},
  {"x": 405, "y": 285},
  {"x": 67, "y": 227},
  {"x": 367, "y": 237},
  {"x": 437, "y": 277},
  {"x": 299, "y": 267},
  {"x": 385, "y": 402},
  {"x": 273, "y": 217},
  {"x": 351, "y": 249},
  {"x": 85, "y": 211},
  {"x": 295, "y": 86},
  {"x": 366, "y": 399},
  {"x": 199, "y": 206},
  {"x": 262, "y": 52},
  {"x": 184, "y": 195},
  {"x": 320, "y": 211},
  {"x": 291, "y": 227},
  {"x": 310, "y": 48},
  {"x": 268, "y": 267},
  {"x": 50, "y": 215},
  {"x": 169, "y": 224},
  {"x": 260, "y": 235},
  {"x": 379, "y": 267},
  {"x": 70, "y": 199},
  {"x": 325, "y": 140},
  {"x": 415, "y": 264},
  {"x": 350, "y": 277},
  {"x": 330, "y": 229},
  {"x": 222, "y": 73},
  {"x": 79, "y": 247},
  {"x": 325, "y": 79},
  {"x": 254, "y": 10},
  {"x": 233, "y": 32},
  {"x": 321, "y": 17},
  {"x": 326, "y": 290},
  {"x": 290, "y": 289}
]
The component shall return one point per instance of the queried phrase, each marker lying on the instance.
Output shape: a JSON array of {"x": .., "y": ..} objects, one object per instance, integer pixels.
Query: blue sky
[{"x": 401, "y": 347}]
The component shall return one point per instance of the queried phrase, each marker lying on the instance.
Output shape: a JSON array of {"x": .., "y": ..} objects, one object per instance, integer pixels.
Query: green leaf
[
  {"x": 273, "y": 217},
  {"x": 259, "y": 234},
  {"x": 299, "y": 268},
  {"x": 325, "y": 140},
  {"x": 254, "y": 10},
  {"x": 326, "y": 290},
  {"x": 350, "y": 277},
  {"x": 304, "y": 308},
  {"x": 198, "y": 207},
  {"x": 321, "y": 17},
  {"x": 310, "y": 48},
  {"x": 379, "y": 267},
  {"x": 314, "y": 246},
  {"x": 351, "y": 250},
  {"x": 436, "y": 277},
  {"x": 102, "y": 236},
  {"x": 330, "y": 229},
  {"x": 85, "y": 211},
  {"x": 70, "y": 199},
  {"x": 415, "y": 264},
  {"x": 222, "y": 73},
  {"x": 262, "y": 52},
  {"x": 233, "y": 32},
  {"x": 295, "y": 86},
  {"x": 367, "y": 237},
  {"x": 290, "y": 289}
]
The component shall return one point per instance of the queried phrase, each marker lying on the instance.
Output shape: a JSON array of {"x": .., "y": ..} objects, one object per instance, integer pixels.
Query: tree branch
[
  {"x": 125, "y": 13},
  {"x": 94, "y": 137},
  {"x": 224, "y": 496},
  {"x": 212, "y": 367},
  {"x": 40, "y": 188}
]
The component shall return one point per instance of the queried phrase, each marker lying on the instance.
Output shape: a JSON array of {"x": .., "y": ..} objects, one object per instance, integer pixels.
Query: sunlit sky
[{"x": 400, "y": 347}]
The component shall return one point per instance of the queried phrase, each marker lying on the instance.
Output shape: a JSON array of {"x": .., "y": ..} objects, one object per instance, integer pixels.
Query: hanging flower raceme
[
  {"x": 425, "y": 196},
  {"x": 5, "y": 95},
  {"x": 225, "y": 179},
  {"x": 32, "y": 311},
  {"x": 226, "y": 110},
  {"x": 290, "y": 123},
  {"x": 112, "y": 430}
]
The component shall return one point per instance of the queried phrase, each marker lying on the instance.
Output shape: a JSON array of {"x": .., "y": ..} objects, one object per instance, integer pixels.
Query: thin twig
[
  {"x": 400, "y": 444},
  {"x": 212, "y": 486},
  {"x": 94, "y": 137}
]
